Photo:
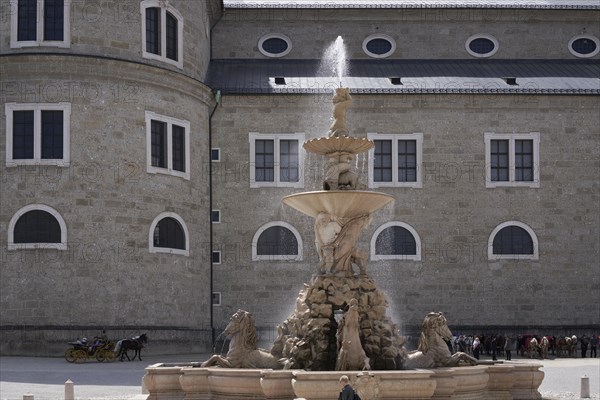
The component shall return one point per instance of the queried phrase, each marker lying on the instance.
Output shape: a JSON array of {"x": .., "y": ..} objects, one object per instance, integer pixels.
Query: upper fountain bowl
[
  {"x": 341, "y": 203},
  {"x": 342, "y": 144}
]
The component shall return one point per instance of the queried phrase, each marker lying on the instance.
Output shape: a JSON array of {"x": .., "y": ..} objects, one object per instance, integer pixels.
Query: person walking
[
  {"x": 507, "y": 348},
  {"x": 476, "y": 345},
  {"x": 346, "y": 393},
  {"x": 593, "y": 345},
  {"x": 584, "y": 345}
]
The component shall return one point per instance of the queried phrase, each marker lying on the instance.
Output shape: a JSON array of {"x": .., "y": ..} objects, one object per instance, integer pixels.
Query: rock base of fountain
[
  {"x": 309, "y": 335},
  {"x": 507, "y": 381}
]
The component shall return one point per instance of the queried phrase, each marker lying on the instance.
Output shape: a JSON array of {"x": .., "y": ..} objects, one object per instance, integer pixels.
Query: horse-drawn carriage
[
  {"x": 104, "y": 350},
  {"x": 100, "y": 348}
]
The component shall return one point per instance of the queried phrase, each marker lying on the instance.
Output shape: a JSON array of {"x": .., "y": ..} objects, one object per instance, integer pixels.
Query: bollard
[
  {"x": 69, "y": 390},
  {"x": 27, "y": 397},
  {"x": 585, "y": 387}
]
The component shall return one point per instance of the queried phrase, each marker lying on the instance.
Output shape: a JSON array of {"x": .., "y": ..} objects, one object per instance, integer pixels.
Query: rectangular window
[
  {"x": 216, "y": 216},
  {"x": 178, "y": 148},
  {"x": 52, "y": 134},
  {"x": 512, "y": 159},
  {"x": 524, "y": 160},
  {"x": 168, "y": 141},
  {"x": 215, "y": 154},
  {"x": 153, "y": 30},
  {"x": 276, "y": 160},
  {"x": 159, "y": 144},
  {"x": 499, "y": 158},
  {"x": 162, "y": 32},
  {"x": 37, "y": 133},
  {"x": 172, "y": 37},
  {"x": 265, "y": 160},
  {"x": 288, "y": 160},
  {"x": 40, "y": 23},
  {"x": 407, "y": 160},
  {"x": 216, "y": 257},
  {"x": 23, "y": 135},
  {"x": 216, "y": 298},
  {"x": 54, "y": 20},
  {"x": 382, "y": 163},
  {"x": 395, "y": 160},
  {"x": 27, "y": 20}
]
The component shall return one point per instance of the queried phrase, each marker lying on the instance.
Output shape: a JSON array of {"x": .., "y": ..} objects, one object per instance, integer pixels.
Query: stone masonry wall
[
  {"x": 418, "y": 33},
  {"x": 106, "y": 279},
  {"x": 454, "y": 213}
]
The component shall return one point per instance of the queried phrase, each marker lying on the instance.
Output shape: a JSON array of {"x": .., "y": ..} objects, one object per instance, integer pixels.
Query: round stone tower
[{"x": 104, "y": 172}]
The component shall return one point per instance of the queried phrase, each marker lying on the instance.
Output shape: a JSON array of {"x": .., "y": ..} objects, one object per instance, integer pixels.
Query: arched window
[
  {"x": 168, "y": 234},
  {"x": 37, "y": 226},
  {"x": 395, "y": 241},
  {"x": 277, "y": 241},
  {"x": 162, "y": 32},
  {"x": 513, "y": 240}
]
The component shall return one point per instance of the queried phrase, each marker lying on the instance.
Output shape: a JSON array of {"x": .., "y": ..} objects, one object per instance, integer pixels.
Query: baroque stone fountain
[{"x": 340, "y": 321}]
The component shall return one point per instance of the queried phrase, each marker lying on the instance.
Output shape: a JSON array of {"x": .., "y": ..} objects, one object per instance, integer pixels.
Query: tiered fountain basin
[
  {"x": 187, "y": 381},
  {"x": 341, "y": 203}
]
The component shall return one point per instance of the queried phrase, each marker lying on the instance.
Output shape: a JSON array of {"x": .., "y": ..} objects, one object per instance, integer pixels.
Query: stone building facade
[{"x": 453, "y": 79}]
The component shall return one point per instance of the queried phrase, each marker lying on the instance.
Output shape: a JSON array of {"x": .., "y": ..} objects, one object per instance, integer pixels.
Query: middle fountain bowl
[{"x": 341, "y": 203}]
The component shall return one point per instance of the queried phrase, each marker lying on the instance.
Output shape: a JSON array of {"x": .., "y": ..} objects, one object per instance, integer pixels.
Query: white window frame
[
  {"x": 379, "y": 36},
  {"x": 220, "y": 257},
  {"x": 275, "y": 36},
  {"x": 585, "y": 36},
  {"x": 160, "y": 217},
  {"x": 164, "y": 7},
  {"x": 482, "y": 36},
  {"x": 218, "y": 150},
  {"x": 217, "y": 304},
  {"x": 25, "y": 246},
  {"x": 14, "y": 22},
  {"x": 511, "y": 137},
  {"x": 37, "y": 108},
  {"x": 418, "y": 137},
  {"x": 403, "y": 257},
  {"x": 218, "y": 221},
  {"x": 276, "y": 137},
  {"x": 276, "y": 257},
  {"x": 493, "y": 257},
  {"x": 150, "y": 116}
]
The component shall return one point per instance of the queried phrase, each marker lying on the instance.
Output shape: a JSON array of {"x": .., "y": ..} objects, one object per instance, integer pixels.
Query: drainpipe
[{"x": 217, "y": 94}]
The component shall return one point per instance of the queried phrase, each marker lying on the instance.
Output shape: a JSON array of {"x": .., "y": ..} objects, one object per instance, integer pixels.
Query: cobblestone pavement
[{"x": 44, "y": 377}]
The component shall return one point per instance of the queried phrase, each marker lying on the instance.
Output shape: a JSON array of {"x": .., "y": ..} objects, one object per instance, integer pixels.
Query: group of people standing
[{"x": 495, "y": 345}]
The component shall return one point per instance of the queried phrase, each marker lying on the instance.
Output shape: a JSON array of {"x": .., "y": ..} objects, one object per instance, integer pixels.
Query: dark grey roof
[
  {"x": 415, "y": 76},
  {"x": 525, "y": 4}
]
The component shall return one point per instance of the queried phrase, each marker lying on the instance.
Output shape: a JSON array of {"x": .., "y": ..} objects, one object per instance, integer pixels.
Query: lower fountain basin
[
  {"x": 505, "y": 381},
  {"x": 341, "y": 203}
]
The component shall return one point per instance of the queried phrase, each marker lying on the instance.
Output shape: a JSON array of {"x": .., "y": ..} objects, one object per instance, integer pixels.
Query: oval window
[
  {"x": 274, "y": 45},
  {"x": 482, "y": 45},
  {"x": 584, "y": 46},
  {"x": 379, "y": 46}
]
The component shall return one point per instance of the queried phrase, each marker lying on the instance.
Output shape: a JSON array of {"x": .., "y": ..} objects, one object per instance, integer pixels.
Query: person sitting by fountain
[{"x": 346, "y": 393}]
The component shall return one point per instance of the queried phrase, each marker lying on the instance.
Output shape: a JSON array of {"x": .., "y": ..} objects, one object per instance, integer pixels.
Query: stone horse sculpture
[
  {"x": 243, "y": 352},
  {"x": 432, "y": 350},
  {"x": 351, "y": 355}
]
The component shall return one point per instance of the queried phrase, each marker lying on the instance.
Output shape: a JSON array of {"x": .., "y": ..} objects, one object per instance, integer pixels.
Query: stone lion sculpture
[{"x": 432, "y": 351}]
